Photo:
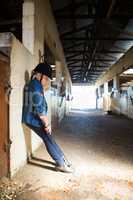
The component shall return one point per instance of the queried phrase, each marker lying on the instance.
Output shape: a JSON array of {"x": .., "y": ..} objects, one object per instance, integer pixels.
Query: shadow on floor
[
  {"x": 36, "y": 162},
  {"x": 42, "y": 160}
]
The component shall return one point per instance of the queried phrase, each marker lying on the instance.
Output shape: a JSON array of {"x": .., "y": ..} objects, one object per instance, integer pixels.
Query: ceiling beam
[
  {"x": 74, "y": 45},
  {"x": 75, "y": 75},
  {"x": 71, "y": 16},
  {"x": 74, "y": 55},
  {"x": 94, "y": 39},
  {"x": 95, "y": 73},
  {"x": 75, "y": 70},
  {"x": 70, "y": 6},
  {"x": 10, "y": 22},
  {"x": 117, "y": 28},
  {"x": 90, "y": 16},
  {"x": 121, "y": 65},
  {"x": 73, "y": 62},
  {"x": 95, "y": 59},
  {"x": 100, "y": 51},
  {"x": 83, "y": 28},
  {"x": 74, "y": 66}
]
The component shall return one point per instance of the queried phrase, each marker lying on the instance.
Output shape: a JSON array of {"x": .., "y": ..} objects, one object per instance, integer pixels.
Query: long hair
[{"x": 33, "y": 73}]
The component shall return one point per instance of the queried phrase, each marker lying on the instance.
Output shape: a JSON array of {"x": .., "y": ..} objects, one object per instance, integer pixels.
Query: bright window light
[
  {"x": 129, "y": 71},
  {"x": 84, "y": 97}
]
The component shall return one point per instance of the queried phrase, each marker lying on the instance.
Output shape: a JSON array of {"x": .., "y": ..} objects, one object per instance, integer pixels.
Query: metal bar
[
  {"x": 95, "y": 73},
  {"x": 73, "y": 62},
  {"x": 96, "y": 70},
  {"x": 75, "y": 73},
  {"x": 74, "y": 69},
  {"x": 70, "y": 16},
  {"x": 77, "y": 54},
  {"x": 97, "y": 59},
  {"x": 105, "y": 39},
  {"x": 102, "y": 51},
  {"x": 91, "y": 16},
  {"x": 74, "y": 45},
  {"x": 111, "y": 8}
]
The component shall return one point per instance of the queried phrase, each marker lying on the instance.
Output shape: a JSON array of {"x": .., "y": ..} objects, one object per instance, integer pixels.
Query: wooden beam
[{"x": 122, "y": 64}]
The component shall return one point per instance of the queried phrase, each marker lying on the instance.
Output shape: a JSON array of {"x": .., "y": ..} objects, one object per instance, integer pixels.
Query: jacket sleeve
[{"x": 39, "y": 103}]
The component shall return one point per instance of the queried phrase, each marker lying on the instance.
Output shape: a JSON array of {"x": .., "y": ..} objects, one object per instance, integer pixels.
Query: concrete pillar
[
  {"x": 58, "y": 83},
  {"x": 58, "y": 73},
  {"x": 28, "y": 25},
  {"x": 116, "y": 86},
  {"x": 106, "y": 88},
  {"x": 98, "y": 91},
  {"x": 106, "y": 98},
  {"x": 116, "y": 83},
  {"x": 97, "y": 95}
]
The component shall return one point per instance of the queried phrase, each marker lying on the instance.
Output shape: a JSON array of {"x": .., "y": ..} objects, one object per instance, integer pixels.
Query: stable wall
[
  {"x": 23, "y": 142},
  {"x": 38, "y": 27},
  {"x": 117, "y": 103}
]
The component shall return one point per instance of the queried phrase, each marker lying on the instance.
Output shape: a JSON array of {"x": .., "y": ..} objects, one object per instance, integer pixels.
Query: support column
[
  {"x": 58, "y": 83},
  {"x": 106, "y": 98},
  {"x": 106, "y": 88},
  {"x": 116, "y": 85},
  {"x": 97, "y": 96},
  {"x": 28, "y": 25}
]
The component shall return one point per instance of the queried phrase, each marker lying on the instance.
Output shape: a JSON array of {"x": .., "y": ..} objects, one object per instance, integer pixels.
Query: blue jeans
[{"x": 53, "y": 149}]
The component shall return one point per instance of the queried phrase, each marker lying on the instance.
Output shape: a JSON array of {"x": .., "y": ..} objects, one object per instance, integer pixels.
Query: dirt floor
[{"x": 100, "y": 148}]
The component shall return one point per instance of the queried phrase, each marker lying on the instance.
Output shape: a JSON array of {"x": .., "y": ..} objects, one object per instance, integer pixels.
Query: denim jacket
[{"x": 34, "y": 103}]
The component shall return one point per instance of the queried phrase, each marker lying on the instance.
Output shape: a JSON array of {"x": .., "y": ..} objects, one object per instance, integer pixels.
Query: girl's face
[{"x": 45, "y": 82}]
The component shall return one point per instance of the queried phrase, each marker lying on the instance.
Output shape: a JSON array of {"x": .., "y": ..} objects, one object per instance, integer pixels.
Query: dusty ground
[{"x": 101, "y": 150}]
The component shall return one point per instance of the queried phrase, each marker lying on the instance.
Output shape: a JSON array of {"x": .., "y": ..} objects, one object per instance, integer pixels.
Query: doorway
[
  {"x": 4, "y": 120},
  {"x": 84, "y": 97}
]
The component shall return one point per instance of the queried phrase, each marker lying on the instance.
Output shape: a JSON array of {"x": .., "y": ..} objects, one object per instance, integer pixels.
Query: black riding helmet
[{"x": 44, "y": 69}]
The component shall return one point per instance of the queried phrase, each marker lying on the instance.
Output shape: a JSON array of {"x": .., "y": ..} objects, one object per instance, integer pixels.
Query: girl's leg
[{"x": 51, "y": 146}]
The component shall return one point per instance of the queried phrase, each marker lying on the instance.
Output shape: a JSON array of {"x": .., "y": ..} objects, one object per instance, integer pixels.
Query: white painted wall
[
  {"x": 38, "y": 26},
  {"x": 22, "y": 140}
]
